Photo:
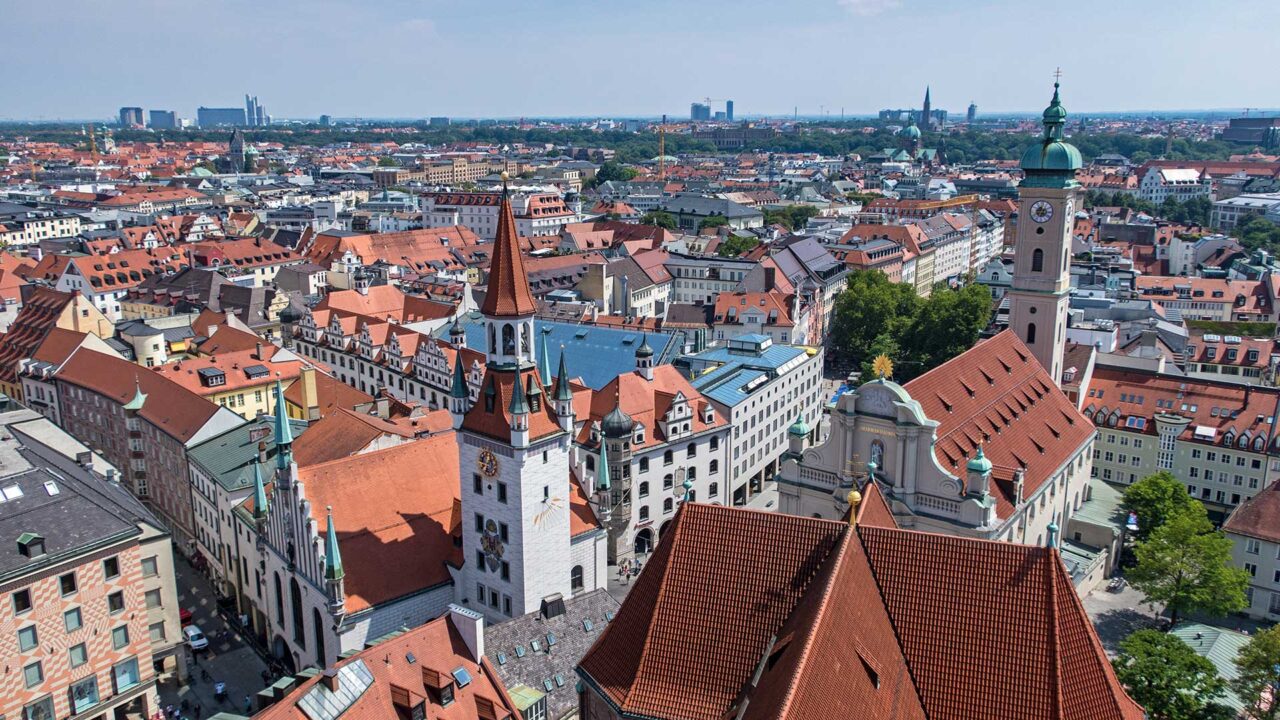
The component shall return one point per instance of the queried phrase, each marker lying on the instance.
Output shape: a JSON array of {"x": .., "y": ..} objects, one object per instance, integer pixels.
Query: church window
[
  {"x": 575, "y": 577},
  {"x": 1037, "y": 260},
  {"x": 493, "y": 340},
  {"x": 1031, "y": 332},
  {"x": 279, "y": 600},
  {"x": 524, "y": 338},
  {"x": 295, "y": 601},
  {"x": 508, "y": 340}
]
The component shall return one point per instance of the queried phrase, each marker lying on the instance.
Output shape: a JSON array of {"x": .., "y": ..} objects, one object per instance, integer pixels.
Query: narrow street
[{"x": 228, "y": 659}]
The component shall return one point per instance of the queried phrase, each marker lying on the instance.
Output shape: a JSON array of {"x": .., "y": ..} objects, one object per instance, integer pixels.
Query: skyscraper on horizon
[
  {"x": 130, "y": 116},
  {"x": 728, "y": 110},
  {"x": 972, "y": 114},
  {"x": 163, "y": 120}
]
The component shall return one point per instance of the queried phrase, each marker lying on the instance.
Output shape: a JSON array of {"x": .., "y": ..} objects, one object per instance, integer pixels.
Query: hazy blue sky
[{"x": 414, "y": 58}]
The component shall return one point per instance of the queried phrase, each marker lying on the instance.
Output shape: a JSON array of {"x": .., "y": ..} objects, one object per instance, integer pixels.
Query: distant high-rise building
[
  {"x": 220, "y": 117},
  {"x": 728, "y": 110},
  {"x": 720, "y": 116},
  {"x": 439, "y": 121},
  {"x": 130, "y": 116},
  {"x": 699, "y": 111},
  {"x": 325, "y": 120},
  {"x": 972, "y": 114},
  {"x": 254, "y": 113},
  {"x": 163, "y": 120}
]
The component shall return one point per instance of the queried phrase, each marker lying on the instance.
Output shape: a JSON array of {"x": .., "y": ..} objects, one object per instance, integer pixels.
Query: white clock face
[{"x": 1041, "y": 211}]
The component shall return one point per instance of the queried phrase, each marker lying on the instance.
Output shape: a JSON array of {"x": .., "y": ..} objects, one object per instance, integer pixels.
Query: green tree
[
  {"x": 1167, "y": 677},
  {"x": 734, "y": 246},
  {"x": 1258, "y": 682},
  {"x": 1155, "y": 499},
  {"x": 615, "y": 172},
  {"x": 1186, "y": 565},
  {"x": 791, "y": 216},
  {"x": 870, "y": 307},
  {"x": 946, "y": 324},
  {"x": 1259, "y": 233},
  {"x": 387, "y": 161},
  {"x": 713, "y": 221},
  {"x": 661, "y": 218}
]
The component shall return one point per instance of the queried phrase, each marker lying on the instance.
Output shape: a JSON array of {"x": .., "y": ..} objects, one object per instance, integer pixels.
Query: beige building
[{"x": 1255, "y": 529}]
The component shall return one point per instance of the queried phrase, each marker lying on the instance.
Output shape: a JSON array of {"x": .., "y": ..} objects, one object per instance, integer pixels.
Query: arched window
[
  {"x": 279, "y": 600},
  {"x": 644, "y": 513},
  {"x": 575, "y": 578},
  {"x": 644, "y": 465},
  {"x": 667, "y": 481},
  {"x": 317, "y": 628},
  {"x": 493, "y": 340},
  {"x": 667, "y": 505},
  {"x": 524, "y": 338},
  {"x": 1037, "y": 260},
  {"x": 667, "y": 457},
  {"x": 1031, "y": 333},
  {"x": 715, "y": 444},
  {"x": 295, "y": 601},
  {"x": 713, "y": 467},
  {"x": 692, "y": 450},
  {"x": 644, "y": 489},
  {"x": 508, "y": 340},
  {"x": 591, "y": 462},
  {"x": 714, "y": 490}
]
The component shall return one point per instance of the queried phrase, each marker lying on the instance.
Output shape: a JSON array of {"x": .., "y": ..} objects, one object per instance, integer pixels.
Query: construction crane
[
  {"x": 662, "y": 149},
  {"x": 93, "y": 146}
]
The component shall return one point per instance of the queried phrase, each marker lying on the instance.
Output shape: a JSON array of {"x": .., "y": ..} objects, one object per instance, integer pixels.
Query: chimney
[
  {"x": 85, "y": 459},
  {"x": 262, "y": 451},
  {"x": 257, "y": 351},
  {"x": 769, "y": 278},
  {"x": 329, "y": 678},
  {"x": 310, "y": 398},
  {"x": 470, "y": 625}
]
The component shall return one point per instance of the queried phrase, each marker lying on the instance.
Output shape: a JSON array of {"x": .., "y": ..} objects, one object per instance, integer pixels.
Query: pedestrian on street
[{"x": 170, "y": 711}]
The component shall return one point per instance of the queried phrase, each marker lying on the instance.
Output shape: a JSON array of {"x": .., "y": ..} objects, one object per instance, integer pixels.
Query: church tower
[
  {"x": 1047, "y": 202},
  {"x": 513, "y": 451},
  {"x": 926, "y": 111}
]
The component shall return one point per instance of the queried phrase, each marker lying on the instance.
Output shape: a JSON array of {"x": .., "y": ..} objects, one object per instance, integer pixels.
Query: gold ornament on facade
[{"x": 883, "y": 367}]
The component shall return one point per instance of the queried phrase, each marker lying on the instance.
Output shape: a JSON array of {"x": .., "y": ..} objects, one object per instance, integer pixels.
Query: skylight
[
  {"x": 462, "y": 677},
  {"x": 354, "y": 679}
]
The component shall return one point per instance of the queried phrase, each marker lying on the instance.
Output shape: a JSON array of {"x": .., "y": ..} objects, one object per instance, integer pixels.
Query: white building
[
  {"x": 1181, "y": 184},
  {"x": 1254, "y": 528}
]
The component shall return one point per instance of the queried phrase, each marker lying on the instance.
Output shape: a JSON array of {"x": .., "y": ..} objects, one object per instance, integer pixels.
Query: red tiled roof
[
  {"x": 437, "y": 648},
  {"x": 331, "y": 394},
  {"x": 507, "y": 293},
  {"x": 412, "y": 526},
  {"x": 877, "y": 623},
  {"x": 997, "y": 395},
  {"x": 1259, "y": 516},
  {"x": 37, "y": 317},
  {"x": 496, "y": 423},
  {"x": 341, "y": 433}
]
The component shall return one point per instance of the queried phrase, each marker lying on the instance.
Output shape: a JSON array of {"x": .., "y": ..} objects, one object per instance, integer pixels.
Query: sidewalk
[{"x": 228, "y": 659}]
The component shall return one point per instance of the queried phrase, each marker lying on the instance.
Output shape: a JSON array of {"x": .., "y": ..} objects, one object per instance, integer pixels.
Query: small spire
[
  {"x": 602, "y": 477},
  {"x": 459, "y": 389},
  {"x": 688, "y": 489},
  {"x": 260, "y": 503},
  {"x": 563, "y": 391},
  {"x": 283, "y": 431},
  {"x": 332, "y": 557},
  {"x": 519, "y": 405},
  {"x": 544, "y": 359},
  {"x": 1053, "y": 535},
  {"x": 139, "y": 398}
]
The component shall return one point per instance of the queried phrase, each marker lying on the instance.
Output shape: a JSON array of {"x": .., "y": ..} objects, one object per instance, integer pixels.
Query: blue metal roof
[
  {"x": 773, "y": 357},
  {"x": 729, "y": 390},
  {"x": 595, "y": 354}
]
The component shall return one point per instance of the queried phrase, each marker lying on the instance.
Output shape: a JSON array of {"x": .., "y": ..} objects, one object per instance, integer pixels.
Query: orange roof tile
[{"x": 507, "y": 293}]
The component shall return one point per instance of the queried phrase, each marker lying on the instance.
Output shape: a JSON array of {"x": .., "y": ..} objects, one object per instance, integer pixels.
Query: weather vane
[{"x": 883, "y": 367}]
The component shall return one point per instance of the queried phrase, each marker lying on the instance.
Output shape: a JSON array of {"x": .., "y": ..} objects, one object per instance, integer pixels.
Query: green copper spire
[
  {"x": 332, "y": 558},
  {"x": 1051, "y": 162},
  {"x": 260, "y": 504},
  {"x": 139, "y": 398},
  {"x": 519, "y": 405},
  {"x": 602, "y": 477},
  {"x": 459, "y": 389},
  {"x": 284, "y": 433},
  {"x": 799, "y": 428},
  {"x": 544, "y": 361},
  {"x": 563, "y": 391}
]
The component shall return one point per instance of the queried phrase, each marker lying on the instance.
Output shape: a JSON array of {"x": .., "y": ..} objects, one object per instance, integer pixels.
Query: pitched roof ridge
[
  {"x": 1056, "y": 676},
  {"x": 831, "y": 569},
  {"x": 676, "y": 531},
  {"x": 888, "y": 613}
]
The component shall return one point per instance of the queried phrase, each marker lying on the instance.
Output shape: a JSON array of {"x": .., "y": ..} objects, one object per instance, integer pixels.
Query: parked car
[{"x": 195, "y": 638}]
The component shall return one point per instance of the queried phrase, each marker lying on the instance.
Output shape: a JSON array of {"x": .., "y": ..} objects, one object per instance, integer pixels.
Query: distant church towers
[{"x": 1047, "y": 203}]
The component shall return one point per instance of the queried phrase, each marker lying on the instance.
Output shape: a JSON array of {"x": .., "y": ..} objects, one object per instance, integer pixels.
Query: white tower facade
[{"x": 1048, "y": 199}]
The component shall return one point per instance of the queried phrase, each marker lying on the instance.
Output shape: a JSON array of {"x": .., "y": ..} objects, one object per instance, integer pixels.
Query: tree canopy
[
  {"x": 612, "y": 171},
  {"x": 1155, "y": 499},
  {"x": 1186, "y": 565},
  {"x": 1168, "y": 678},
  {"x": 792, "y": 217},
  {"x": 733, "y": 246},
  {"x": 660, "y": 218},
  {"x": 1258, "y": 682},
  {"x": 875, "y": 315}
]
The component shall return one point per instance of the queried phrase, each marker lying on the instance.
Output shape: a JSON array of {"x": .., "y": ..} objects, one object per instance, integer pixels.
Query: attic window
[
  {"x": 30, "y": 545},
  {"x": 462, "y": 677},
  {"x": 872, "y": 675}
]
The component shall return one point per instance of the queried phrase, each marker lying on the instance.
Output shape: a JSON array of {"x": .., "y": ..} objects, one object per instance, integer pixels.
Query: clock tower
[
  {"x": 1047, "y": 202},
  {"x": 513, "y": 452}
]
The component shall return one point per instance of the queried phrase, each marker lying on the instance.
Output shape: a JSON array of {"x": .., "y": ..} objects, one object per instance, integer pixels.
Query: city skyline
[{"x": 404, "y": 59}]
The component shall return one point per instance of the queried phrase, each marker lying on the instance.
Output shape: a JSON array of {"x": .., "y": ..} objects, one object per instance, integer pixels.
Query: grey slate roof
[
  {"x": 228, "y": 458},
  {"x": 572, "y": 641},
  {"x": 44, "y": 493}
]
